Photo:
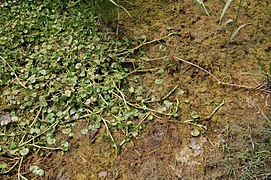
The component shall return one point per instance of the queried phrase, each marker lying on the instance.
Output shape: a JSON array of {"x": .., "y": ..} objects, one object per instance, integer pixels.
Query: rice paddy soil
[{"x": 235, "y": 141}]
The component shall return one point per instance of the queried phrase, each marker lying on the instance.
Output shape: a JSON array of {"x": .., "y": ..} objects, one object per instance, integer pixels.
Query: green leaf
[
  {"x": 162, "y": 47},
  {"x": 32, "y": 79},
  {"x": 161, "y": 71},
  {"x": 66, "y": 130},
  {"x": 97, "y": 125},
  {"x": 13, "y": 145},
  {"x": 168, "y": 104},
  {"x": 195, "y": 133},
  {"x": 114, "y": 110},
  {"x": 150, "y": 117},
  {"x": 72, "y": 135},
  {"x": 65, "y": 146},
  {"x": 175, "y": 115},
  {"x": 181, "y": 92},
  {"x": 51, "y": 140},
  {"x": 4, "y": 122},
  {"x": 42, "y": 101},
  {"x": 186, "y": 101},
  {"x": 116, "y": 146},
  {"x": 159, "y": 81},
  {"x": 194, "y": 115},
  {"x": 36, "y": 170},
  {"x": 93, "y": 117},
  {"x": 262, "y": 66},
  {"x": 39, "y": 172},
  {"x": 84, "y": 131},
  {"x": 3, "y": 167},
  {"x": 127, "y": 138},
  {"x": 24, "y": 151}
]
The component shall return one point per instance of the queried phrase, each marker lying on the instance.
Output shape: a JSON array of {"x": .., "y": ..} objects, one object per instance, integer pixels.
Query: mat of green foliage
[{"x": 57, "y": 67}]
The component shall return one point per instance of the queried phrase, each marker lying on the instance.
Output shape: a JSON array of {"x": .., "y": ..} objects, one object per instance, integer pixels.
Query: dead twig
[
  {"x": 219, "y": 81},
  {"x": 146, "y": 43}
]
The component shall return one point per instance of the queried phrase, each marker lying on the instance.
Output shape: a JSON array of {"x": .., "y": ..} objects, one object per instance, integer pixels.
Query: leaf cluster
[{"x": 56, "y": 69}]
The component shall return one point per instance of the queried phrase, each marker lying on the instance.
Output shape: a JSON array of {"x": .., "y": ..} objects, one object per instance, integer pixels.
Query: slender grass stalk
[
  {"x": 107, "y": 9},
  {"x": 235, "y": 32},
  {"x": 113, "y": 2},
  {"x": 201, "y": 5},
  {"x": 227, "y": 5}
]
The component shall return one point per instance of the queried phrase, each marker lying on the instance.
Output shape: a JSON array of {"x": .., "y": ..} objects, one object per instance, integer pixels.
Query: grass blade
[
  {"x": 227, "y": 5},
  {"x": 268, "y": 74},
  {"x": 235, "y": 32},
  {"x": 113, "y": 2},
  {"x": 202, "y": 6},
  {"x": 262, "y": 66}
]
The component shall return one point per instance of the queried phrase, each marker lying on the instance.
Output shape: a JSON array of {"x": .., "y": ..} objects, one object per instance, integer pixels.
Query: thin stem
[
  {"x": 26, "y": 142},
  {"x": 107, "y": 129},
  {"x": 215, "y": 110},
  {"x": 123, "y": 97},
  {"x": 5, "y": 172},
  {"x": 103, "y": 99},
  {"x": 170, "y": 92},
  {"x": 220, "y": 82},
  {"x": 19, "y": 169},
  {"x": 45, "y": 147},
  {"x": 148, "y": 109},
  {"x": 13, "y": 72},
  {"x": 145, "y": 60},
  {"x": 149, "y": 42},
  {"x": 143, "y": 70},
  {"x": 143, "y": 120},
  {"x": 36, "y": 117}
]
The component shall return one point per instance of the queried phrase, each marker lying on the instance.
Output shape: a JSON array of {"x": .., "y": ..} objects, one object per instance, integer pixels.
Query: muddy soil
[{"x": 165, "y": 149}]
